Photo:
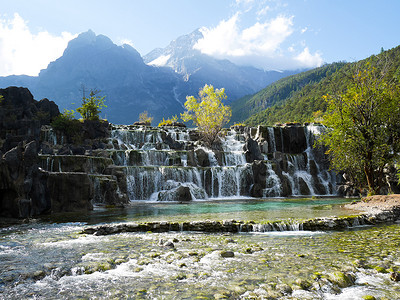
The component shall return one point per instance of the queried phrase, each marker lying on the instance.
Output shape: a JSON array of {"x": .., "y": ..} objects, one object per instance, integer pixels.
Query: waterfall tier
[
  {"x": 258, "y": 162},
  {"x": 164, "y": 164}
]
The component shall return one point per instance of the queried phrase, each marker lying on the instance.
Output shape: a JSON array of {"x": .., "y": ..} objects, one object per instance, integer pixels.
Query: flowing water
[{"x": 49, "y": 259}]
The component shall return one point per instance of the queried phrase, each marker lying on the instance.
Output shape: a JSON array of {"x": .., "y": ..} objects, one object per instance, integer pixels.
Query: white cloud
[
  {"x": 227, "y": 39},
  {"x": 22, "y": 52},
  {"x": 304, "y": 29},
  {"x": 305, "y": 58},
  {"x": 261, "y": 44},
  {"x": 126, "y": 42},
  {"x": 263, "y": 11}
]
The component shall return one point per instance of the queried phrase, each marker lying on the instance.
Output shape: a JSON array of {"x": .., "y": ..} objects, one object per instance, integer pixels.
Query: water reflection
[{"x": 239, "y": 209}]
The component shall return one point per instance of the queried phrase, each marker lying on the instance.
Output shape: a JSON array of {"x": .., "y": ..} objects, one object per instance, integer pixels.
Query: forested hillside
[{"x": 298, "y": 98}]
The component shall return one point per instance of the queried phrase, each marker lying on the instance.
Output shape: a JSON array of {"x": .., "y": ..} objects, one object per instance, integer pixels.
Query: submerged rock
[
  {"x": 395, "y": 276},
  {"x": 227, "y": 254}
]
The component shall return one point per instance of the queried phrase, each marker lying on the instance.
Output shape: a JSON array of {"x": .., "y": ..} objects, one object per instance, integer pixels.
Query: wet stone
[{"x": 227, "y": 254}]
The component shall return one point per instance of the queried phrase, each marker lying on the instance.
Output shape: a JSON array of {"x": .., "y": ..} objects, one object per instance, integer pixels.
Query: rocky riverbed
[{"x": 54, "y": 261}]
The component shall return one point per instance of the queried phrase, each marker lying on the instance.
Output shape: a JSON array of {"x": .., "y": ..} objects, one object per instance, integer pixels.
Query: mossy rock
[
  {"x": 369, "y": 297},
  {"x": 341, "y": 279},
  {"x": 303, "y": 284},
  {"x": 222, "y": 295},
  {"x": 283, "y": 288},
  {"x": 380, "y": 269}
]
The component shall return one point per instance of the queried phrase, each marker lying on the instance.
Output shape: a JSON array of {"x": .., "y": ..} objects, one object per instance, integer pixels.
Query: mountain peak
[
  {"x": 177, "y": 50},
  {"x": 97, "y": 53},
  {"x": 88, "y": 38}
]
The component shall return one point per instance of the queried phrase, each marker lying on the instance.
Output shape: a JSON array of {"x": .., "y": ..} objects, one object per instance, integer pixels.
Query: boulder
[
  {"x": 181, "y": 194},
  {"x": 294, "y": 139},
  {"x": 106, "y": 191},
  {"x": 21, "y": 116},
  {"x": 137, "y": 123},
  {"x": 31, "y": 153},
  {"x": 96, "y": 129},
  {"x": 13, "y": 160},
  {"x": 256, "y": 190},
  {"x": 173, "y": 144}
]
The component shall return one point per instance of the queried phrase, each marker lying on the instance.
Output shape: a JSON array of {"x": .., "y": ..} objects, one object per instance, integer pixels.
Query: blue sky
[{"x": 270, "y": 34}]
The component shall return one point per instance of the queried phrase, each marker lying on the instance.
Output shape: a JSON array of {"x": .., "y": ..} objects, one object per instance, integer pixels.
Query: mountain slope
[
  {"x": 298, "y": 97},
  {"x": 280, "y": 91}
]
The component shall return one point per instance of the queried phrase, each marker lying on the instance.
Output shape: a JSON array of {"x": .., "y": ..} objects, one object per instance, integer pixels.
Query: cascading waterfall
[
  {"x": 273, "y": 184},
  {"x": 325, "y": 178},
  {"x": 157, "y": 161},
  {"x": 304, "y": 172}
]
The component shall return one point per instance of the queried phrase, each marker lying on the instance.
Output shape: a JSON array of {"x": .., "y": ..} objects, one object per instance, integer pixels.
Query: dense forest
[{"x": 298, "y": 98}]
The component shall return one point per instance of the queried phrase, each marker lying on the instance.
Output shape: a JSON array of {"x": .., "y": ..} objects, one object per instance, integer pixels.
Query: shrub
[
  {"x": 68, "y": 125},
  {"x": 168, "y": 122},
  {"x": 145, "y": 118}
]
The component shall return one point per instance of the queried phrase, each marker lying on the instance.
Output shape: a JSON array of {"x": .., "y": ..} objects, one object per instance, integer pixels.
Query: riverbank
[{"x": 373, "y": 204}]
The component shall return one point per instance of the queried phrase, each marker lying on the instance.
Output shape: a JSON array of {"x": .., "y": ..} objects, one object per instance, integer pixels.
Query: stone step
[{"x": 75, "y": 163}]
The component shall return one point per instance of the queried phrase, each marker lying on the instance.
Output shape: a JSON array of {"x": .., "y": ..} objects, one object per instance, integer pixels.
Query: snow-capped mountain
[{"x": 181, "y": 56}]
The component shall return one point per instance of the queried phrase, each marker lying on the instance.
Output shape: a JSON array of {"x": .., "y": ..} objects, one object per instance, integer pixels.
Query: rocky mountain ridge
[{"x": 131, "y": 86}]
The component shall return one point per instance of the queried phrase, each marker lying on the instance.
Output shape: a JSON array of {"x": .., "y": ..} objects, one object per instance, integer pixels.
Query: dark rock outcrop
[
  {"x": 33, "y": 184},
  {"x": 259, "y": 176},
  {"x": 23, "y": 186},
  {"x": 252, "y": 151},
  {"x": 180, "y": 193},
  {"x": 70, "y": 192},
  {"x": 21, "y": 117},
  {"x": 202, "y": 158}
]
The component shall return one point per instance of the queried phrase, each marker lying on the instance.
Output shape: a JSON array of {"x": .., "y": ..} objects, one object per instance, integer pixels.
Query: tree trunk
[{"x": 369, "y": 173}]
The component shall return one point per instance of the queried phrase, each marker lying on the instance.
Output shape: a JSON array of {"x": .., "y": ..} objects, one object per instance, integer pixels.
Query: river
[{"x": 48, "y": 258}]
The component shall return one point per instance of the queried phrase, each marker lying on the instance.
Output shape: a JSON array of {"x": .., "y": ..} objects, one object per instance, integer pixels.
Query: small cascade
[
  {"x": 232, "y": 145},
  {"x": 137, "y": 138},
  {"x": 326, "y": 179},
  {"x": 294, "y": 166},
  {"x": 273, "y": 183},
  {"x": 271, "y": 136},
  {"x": 49, "y": 135},
  {"x": 276, "y": 226}
]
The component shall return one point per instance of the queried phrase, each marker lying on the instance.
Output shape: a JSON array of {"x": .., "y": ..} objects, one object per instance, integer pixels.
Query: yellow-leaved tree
[{"x": 208, "y": 113}]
